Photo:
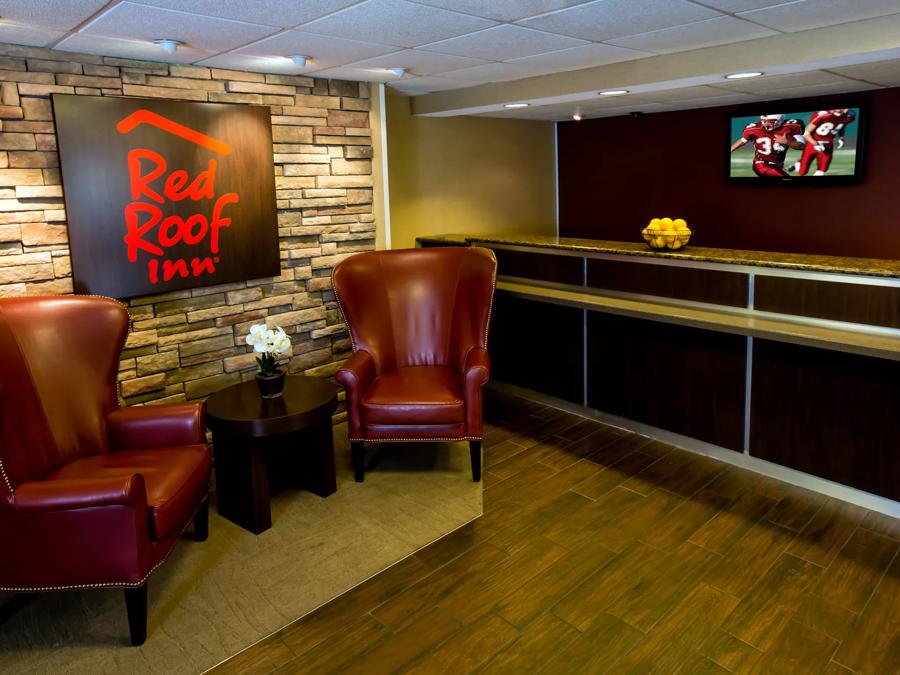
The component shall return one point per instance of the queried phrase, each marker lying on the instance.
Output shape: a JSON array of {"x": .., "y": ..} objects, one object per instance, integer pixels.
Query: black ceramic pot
[{"x": 270, "y": 386}]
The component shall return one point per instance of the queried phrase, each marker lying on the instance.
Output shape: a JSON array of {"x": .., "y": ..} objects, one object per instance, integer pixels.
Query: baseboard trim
[{"x": 794, "y": 477}]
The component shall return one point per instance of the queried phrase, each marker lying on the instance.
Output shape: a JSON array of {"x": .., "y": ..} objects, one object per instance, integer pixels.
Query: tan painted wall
[{"x": 467, "y": 174}]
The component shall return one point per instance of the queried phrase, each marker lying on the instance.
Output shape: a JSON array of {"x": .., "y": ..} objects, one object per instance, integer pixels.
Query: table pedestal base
[{"x": 250, "y": 470}]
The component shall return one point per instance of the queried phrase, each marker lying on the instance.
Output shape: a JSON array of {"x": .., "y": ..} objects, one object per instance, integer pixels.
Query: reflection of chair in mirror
[
  {"x": 418, "y": 322},
  {"x": 91, "y": 495}
]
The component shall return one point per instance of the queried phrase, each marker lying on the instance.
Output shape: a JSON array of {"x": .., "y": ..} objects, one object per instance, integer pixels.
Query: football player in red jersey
[
  {"x": 771, "y": 138},
  {"x": 826, "y": 129}
]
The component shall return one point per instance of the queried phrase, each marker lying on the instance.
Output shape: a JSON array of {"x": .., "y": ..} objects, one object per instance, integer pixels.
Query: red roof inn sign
[{"x": 166, "y": 195}]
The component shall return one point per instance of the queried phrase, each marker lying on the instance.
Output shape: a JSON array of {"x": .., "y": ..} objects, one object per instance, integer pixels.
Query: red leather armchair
[
  {"x": 418, "y": 322},
  {"x": 91, "y": 495}
]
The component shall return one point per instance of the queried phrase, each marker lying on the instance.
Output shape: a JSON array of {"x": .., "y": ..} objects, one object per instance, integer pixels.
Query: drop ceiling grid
[
  {"x": 447, "y": 44},
  {"x": 435, "y": 22}
]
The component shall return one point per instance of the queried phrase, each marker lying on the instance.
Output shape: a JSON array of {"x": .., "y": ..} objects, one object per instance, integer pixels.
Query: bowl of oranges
[{"x": 667, "y": 233}]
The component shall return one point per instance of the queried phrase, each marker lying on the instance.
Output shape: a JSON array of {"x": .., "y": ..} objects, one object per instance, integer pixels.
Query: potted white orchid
[{"x": 268, "y": 343}]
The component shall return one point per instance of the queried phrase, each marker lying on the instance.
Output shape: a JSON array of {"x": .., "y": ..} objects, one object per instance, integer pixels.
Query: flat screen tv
[{"x": 800, "y": 147}]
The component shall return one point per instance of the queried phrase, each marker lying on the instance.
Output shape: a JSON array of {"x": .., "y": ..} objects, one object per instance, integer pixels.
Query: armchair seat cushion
[
  {"x": 415, "y": 395},
  {"x": 176, "y": 480}
]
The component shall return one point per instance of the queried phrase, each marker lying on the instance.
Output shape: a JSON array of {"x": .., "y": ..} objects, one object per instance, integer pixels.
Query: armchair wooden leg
[
  {"x": 136, "y": 604},
  {"x": 475, "y": 454},
  {"x": 201, "y": 521},
  {"x": 358, "y": 448}
]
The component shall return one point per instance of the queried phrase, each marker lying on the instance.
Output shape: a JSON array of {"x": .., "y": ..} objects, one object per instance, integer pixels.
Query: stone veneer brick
[{"x": 188, "y": 344}]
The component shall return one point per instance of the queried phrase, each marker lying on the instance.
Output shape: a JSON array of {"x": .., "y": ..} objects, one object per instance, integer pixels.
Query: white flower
[
  {"x": 266, "y": 340},
  {"x": 282, "y": 344},
  {"x": 257, "y": 335}
]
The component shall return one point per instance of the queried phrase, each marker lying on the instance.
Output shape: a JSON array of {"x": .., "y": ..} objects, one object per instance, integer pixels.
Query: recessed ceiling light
[
  {"x": 516, "y": 105},
  {"x": 613, "y": 92},
  {"x": 167, "y": 45},
  {"x": 577, "y": 117},
  {"x": 399, "y": 72},
  {"x": 300, "y": 60},
  {"x": 742, "y": 76}
]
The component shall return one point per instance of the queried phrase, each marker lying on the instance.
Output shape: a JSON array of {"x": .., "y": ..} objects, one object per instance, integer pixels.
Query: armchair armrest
[
  {"x": 356, "y": 376},
  {"x": 156, "y": 426},
  {"x": 357, "y": 372},
  {"x": 57, "y": 495},
  {"x": 476, "y": 373},
  {"x": 477, "y": 368}
]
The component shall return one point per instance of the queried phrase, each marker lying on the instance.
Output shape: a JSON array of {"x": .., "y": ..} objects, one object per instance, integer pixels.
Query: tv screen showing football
[{"x": 807, "y": 146}]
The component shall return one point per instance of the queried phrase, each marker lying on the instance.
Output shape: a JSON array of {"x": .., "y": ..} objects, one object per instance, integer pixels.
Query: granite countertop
[{"x": 798, "y": 261}]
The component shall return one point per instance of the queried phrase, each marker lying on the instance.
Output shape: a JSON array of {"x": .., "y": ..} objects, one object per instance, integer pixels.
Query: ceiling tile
[
  {"x": 127, "y": 49},
  {"x": 424, "y": 85},
  {"x": 272, "y": 12},
  {"x": 886, "y": 73},
  {"x": 806, "y": 14},
  {"x": 732, "y": 6},
  {"x": 396, "y": 22},
  {"x": 718, "y": 31},
  {"x": 845, "y": 87},
  {"x": 420, "y": 62},
  {"x": 26, "y": 35},
  {"x": 605, "y": 19},
  {"x": 327, "y": 52},
  {"x": 131, "y": 21},
  {"x": 357, "y": 74},
  {"x": 278, "y": 65},
  {"x": 763, "y": 85},
  {"x": 686, "y": 93},
  {"x": 61, "y": 14},
  {"x": 586, "y": 56},
  {"x": 489, "y": 72},
  {"x": 602, "y": 102},
  {"x": 709, "y": 102},
  {"x": 503, "y": 10},
  {"x": 504, "y": 42}
]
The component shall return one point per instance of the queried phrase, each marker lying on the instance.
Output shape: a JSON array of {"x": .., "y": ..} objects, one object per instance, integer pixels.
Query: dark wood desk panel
[
  {"x": 684, "y": 283},
  {"x": 686, "y": 380},
  {"x": 538, "y": 346},
  {"x": 859, "y": 303},
  {"x": 562, "y": 269},
  {"x": 827, "y": 413}
]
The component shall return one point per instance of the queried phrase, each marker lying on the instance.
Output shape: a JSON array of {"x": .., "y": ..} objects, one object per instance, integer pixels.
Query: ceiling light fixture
[
  {"x": 168, "y": 45},
  {"x": 743, "y": 76},
  {"x": 516, "y": 105},
  {"x": 613, "y": 92},
  {"x": 577, "y": 117},
  {"x": 300, "y": 60},
  {"x": 399, "y": 72}
]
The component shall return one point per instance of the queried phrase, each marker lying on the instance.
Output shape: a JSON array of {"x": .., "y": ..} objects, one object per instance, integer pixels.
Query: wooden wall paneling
[
  {"x": 644, "y": 171},
  {"x": 669, "y": 281},
  {"x": 858, "y": 303},
  {"x": 685, "y": 380},
  {"x": 563, "y": 269},
  {"x": 827, "y": 413},
  {"x": 538, "y": 346}
]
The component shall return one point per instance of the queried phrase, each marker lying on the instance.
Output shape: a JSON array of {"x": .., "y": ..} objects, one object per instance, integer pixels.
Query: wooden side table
[{"x": 262, "y": 446}]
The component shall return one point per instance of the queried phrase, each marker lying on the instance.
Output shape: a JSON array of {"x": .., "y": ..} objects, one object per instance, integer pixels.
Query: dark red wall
[{"x": 615, "y": 174}]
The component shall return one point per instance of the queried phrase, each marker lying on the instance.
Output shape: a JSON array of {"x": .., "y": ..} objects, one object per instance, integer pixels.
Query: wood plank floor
[{"x": 602, "y": 551}]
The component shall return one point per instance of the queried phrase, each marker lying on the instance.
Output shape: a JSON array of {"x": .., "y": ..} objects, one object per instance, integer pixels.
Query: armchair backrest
[
  {"x": 416, "y": 307},
  {"x": 59, "y": 356}
]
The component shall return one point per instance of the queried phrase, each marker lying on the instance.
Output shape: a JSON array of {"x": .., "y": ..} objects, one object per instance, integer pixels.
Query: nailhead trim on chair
[
  {"x": 105, "y": 584},
  {"x": 76, "y": 587},
  {"x": 337, "y": 296},
  {"x": 417, "y": 440},
  {"x": 6, "y": 478}
]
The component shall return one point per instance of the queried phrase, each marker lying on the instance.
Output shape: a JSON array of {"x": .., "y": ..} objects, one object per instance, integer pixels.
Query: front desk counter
[{"x": 786, "y": 364}]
